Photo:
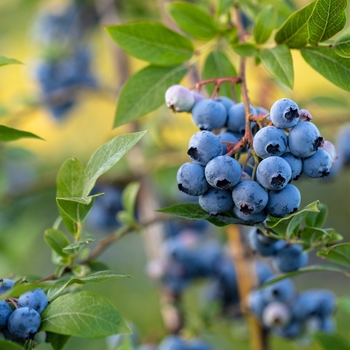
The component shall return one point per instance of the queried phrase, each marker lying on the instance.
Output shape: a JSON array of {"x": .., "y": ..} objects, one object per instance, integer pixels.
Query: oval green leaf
[
  {"x": 57, "y": 240},
  {"x": 278, "y": 61},
  {"x": 10, "y": 134},
  {"x": 339, "y": 254},
  {"x": 152, "y": 42},
  {"x": 145, "y": 92},
  {"x": 342, "y": 44},
  {"x": 82, "y": 314},
  {"x": 326, "y": 62},
  {"x": 192, "y": 19},
  {"x": 265, "y": 24}
]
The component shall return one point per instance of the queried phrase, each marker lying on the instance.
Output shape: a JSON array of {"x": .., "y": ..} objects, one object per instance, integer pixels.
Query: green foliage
[
  {"x": 339, "y": 254},
  {"x": 68, "y": 314},
  {"x": 152, "y": 42},
  {"x": 192, "y": 19},
  {"x": 218, "y": 65},
  {"x": 278, "y": 61},
  {"x": 332, "y": 341},
  {"x": 265, "y": 24},
  {"x": 144, "y": 92},
  {"x": 10, "y": 134},
  {"x": 4, "y": 61},
  {"x": 342, "y": 44},
  {"x": 6, "y": 345},
  {"x": 57, "y": 341}
]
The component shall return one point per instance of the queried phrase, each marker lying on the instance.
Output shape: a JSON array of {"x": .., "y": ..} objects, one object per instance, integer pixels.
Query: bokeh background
[{"x": 29, "y": 167}]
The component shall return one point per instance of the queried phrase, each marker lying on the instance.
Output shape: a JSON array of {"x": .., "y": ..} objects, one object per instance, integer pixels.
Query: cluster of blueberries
[
  {"x": 288, "y": 314},
  {"x": 285, "y": 145},
  {"x": 285, "y": 257},
  {"x": 20, "y": 318},
  {"x": 66, "y": 66}
]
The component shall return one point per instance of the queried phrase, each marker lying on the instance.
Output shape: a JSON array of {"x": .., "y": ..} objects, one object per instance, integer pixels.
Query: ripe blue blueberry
[
  {"x": 270, "y": 141},
  {"x": 283, "y": 202},
  {"x": 236, "y": 117},
  {"x": 265, "y": 246},
  {"x": 179, "y": 98},
  {"x": 209, "y": 114},
  {"x": 284, "y": 113},
  {"x": 282, "y": 291},
  {"x": 226, "y": 101},
  {"x": 216, "y": 201},
  {"x": 24, "y": 323},
  {"x": 34, "y": 299},
  {"x": 249, "y": 197},
  {"x": 250, "y": 219},
  {"x": 256, "y": 303},
  {"x": 223, "y": 172},
  {"x": 343, "y": 143},
  {"x": 204, "y": 146},
  {"x": 295, "y": 163},
  {"x": 318, "y": 165},
  {"x": 228, "y": 140},
  {"x": 5, "y": 285},
  {"x": 273, "y": 173},
  {"x": 290, "y": 258},
  {"x": 191, "y": 179},
  {"x": 304, "y": 139},
  {"x": 5, "y": 312}
]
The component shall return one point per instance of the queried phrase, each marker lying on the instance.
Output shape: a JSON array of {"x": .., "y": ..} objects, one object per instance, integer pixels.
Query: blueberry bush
[{"x": 231, "y": 215}]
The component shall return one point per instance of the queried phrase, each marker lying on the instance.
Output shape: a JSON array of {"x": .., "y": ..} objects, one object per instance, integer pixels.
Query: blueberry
[
  {"x": 5, "y": 312},
  {"x": 273, "y": 173},
  {"x": 5, "y": 285},
  {"x": 236, "y": 117},
  {"x": 295, "y": 163},
  {"x": 216, "y": 201},
  {"x": 284, "y": 113},
  {"x": 191, "y": 179},
  {"x": 290, "y": 258},
  {"x": 172, "y": 342},
  {"x": 228, "y": 140},
  {"x": 34, "y": 299},
  {"x": 318, "y": 165},
  {"x": 290, "y": 331},
  {"x": 226, "y": 101},
  {"x": 276, "y": 314},
  {"x": 197, "y": 96},
  {"x": 282, "y": 291},
  {"x": 249, "y": 197},
  {"x": 198, "y": 344},
  {"x": 256, "y": 303},
  {"x": 262, "y": 272},
  {"x": 203, "y": 147},
  {"x": 223, "y": 172},
  {"x": 209, "y": 114},
  {"x": 250, "y": 219},
  {"x": 270, "y": 141},
  {"x": 179, "y": 98},
  {"x": 268, "y": 247},
  {"x": 343, "y": 143},
  {"x": 24, "y": 323},
  {"x": 304, "y": 139},
  {"x": 283, "y": 202}
]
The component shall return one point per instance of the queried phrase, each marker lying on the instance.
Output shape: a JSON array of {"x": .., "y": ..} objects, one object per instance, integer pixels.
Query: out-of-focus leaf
[
  {"x": 332, "y": 341},
  {"x": 57, "y": 240},
  {"x": 4, "y": 61},
  {"x": 10, "y": 134},
  {"x": 244, "y": 49},
  {"x": 57, "y": 341},
  {"x": 129, "y": 197},
  {"x": 265, "y": 24}
]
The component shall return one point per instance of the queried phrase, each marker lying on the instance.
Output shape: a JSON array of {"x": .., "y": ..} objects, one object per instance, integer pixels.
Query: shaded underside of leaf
[
  {"x": 145, "y": 92},
  {"x": 10, "y": 134},
  {"x": 342, "y": 44},
  {"x": 326, "y": 62}
]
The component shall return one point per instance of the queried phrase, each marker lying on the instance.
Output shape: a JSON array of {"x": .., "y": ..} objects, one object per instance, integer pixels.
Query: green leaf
[
  {"x": 57, "y": 341},
  {"x": 9, "y": 345},
  {"x": 10, "y": 134},
  {"x": 265, "y": 24},
  {"x": 107, "y": 156},
  {"x": 342, "y": 44},
  {"x": 74, "y": 247},
  {"x": 278, "y": 61},
  {"x": 294, "y": 31},
  {"x": 58, "y": 287},
  {"x": 327, "y": 19},
  {"x": 333, "y": 67},
  {"x": 192, "y": 211},
  {"x": 74, "y": 210},
  {"x": 339, "y": 254},
  {"x": 5, "y": 61},
  {"x": 192, "y": 19},
  {"x": 57, "y": 240},
  {"x": 332, "y": 341},
  {"x": 152, "y": 42},
  {"x": 217, "y": 65},
  {"x": 314, "y": 219},
  {"x": 129, "y": 197},
  {"x": 223, "y": 6},
  {"x": 312, "y": 268},
  {"x": 82, "y": 314},
  {"x": 344, "y": 304},
  {"x": 145, "y": 91},
  {"x": 244, "y": 49},
  {"x": 313, "y": 234}
]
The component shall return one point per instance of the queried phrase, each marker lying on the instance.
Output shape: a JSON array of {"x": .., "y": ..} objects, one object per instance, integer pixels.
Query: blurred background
[{"x": 66, "y": 92}]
